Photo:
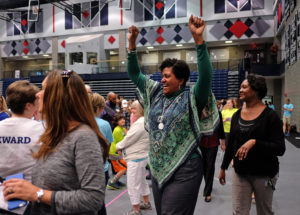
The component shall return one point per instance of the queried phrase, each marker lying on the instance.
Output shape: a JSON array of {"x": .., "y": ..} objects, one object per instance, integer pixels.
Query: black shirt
[{"x": 262, "y": 159}]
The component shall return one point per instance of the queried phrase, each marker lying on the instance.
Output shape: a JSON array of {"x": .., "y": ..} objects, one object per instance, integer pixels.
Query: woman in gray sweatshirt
[{"x": 68, "y": 177}]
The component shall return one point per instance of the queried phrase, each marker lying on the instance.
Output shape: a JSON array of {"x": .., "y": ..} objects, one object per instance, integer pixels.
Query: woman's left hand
[
  {"x": 197, "y": 26},
  {"x": 20, "y": 189},
  {"x": 244, "y": 149}
]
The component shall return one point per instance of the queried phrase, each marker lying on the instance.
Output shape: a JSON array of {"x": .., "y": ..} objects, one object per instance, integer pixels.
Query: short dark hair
[
  {"x": 258, "y": 84},
  {"x": 180, "y": 68},
  {"x": 19, "y": 93},
  {"x": 117, "y": 117}
]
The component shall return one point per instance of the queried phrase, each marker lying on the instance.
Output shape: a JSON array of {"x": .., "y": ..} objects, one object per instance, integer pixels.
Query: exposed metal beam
[{"x": 11, "y": 4}]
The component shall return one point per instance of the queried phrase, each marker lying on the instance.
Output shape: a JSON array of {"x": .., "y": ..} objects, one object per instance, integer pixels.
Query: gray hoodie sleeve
[{"x": 88, "y": 163}]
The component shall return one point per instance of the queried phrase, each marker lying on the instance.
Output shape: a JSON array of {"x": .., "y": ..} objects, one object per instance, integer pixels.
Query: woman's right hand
[
  {"x": 222, "y": 176},
  {"x": 20, "y": 189},
  {"x": 133, "y": 34}
]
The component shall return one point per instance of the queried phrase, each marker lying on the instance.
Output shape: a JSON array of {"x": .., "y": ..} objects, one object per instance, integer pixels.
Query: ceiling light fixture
[
  {"x": 228, "y": 41},
  {"x": 150, "y": 47},
  {"x": 179, "y": 45}
]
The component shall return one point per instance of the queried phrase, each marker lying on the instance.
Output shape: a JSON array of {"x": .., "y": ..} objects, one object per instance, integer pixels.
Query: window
[
  {"x": 76, "y": 58},
  {"x": 91, "y": 57}
]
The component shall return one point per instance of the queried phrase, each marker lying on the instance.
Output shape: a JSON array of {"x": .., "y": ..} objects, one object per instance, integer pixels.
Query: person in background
[
  {"x": 270, "y": 105},
  {"x": 68, "y": 177},
  {"x": 110, "y": 108},
  {"x": 209, "y": 148},
  {"x": 117, "y": 162},
  {"x": 3, "y": 109},
  {"x": 174, "y": 122},
  {"x": 223, "y": 106},
  {"x": 88, "y": 89},
  {"x": 19, "y": 134},
  {"x": 135, "y": 147},
  {"x": 118, "y": 104},
  {"x": 287, "y": 114},
  {"x": 227, "y": 113},
  {"x": 255, "y": 141},
  {"x": 98, "y": 104},
  {"x": 219, "y": 105},
  {"x": 236, "y": 103},
  {"x": 126, "y": 113}
]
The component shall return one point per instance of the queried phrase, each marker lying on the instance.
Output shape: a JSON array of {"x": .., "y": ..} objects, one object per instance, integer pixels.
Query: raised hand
[
  {"x": 197, "y": 26},
  {"x": 133, "y": 34}
]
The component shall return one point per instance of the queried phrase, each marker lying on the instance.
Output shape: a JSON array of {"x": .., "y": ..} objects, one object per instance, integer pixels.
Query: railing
[{"x": 111, "y": 67}]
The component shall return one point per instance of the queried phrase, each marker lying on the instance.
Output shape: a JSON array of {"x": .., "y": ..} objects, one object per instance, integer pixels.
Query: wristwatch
[{"x": 39, "y": 194}]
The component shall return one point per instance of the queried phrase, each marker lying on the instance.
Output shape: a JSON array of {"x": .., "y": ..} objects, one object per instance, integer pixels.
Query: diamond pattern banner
[
  {"x": 259, "y": 27},
  {"x": 218, "y": 30},
  {"x": 87, "y": 14},
  {"x": 111, "y": 41},
  {"x": 258, "y": 4},
  {"x": 168, "y": 34},
  {"x": 230, "y": 6},
  {"x": 239, "y": 28},
  {"x": 19, "y": 24},
  {"x": 23, "y": 47},
  {"x": 150, "y": 10},
  {"x": 164, "y": 35}
]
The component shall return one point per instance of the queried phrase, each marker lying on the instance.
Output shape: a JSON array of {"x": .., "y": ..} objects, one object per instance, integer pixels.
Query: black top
[{"x": 262, "y": 159}]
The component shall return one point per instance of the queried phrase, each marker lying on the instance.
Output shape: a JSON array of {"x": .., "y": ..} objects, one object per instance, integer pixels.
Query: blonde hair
[
  {"x": 3, "y": 106},
  {"x": 97, "y": 101},
  {"x": 136, "y": 104}
]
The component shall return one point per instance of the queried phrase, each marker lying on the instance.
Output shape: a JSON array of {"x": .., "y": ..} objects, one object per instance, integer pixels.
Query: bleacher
[
  {"x": 225, "y": 84},
  {"x": 6, "y": 82}
]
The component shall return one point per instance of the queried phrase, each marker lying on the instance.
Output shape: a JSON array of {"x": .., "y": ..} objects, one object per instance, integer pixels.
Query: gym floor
[{"x": 286, "y": 199}]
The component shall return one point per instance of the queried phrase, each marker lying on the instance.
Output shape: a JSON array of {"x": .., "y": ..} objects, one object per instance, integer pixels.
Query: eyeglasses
[{"x": 66, "y": 75}]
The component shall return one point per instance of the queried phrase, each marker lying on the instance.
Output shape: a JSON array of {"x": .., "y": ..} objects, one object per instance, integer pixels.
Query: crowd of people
[{"x": 63, "y": 138}]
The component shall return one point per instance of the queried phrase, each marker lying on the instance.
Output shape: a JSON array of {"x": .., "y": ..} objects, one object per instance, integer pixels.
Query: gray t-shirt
[{"x": 75, "y": 174}]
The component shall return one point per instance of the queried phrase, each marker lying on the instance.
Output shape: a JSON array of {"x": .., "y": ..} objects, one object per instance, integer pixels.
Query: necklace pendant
[{"x": 161, "y": 126}]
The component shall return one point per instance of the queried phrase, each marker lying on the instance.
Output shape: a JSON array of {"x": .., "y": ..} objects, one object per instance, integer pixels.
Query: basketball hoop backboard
[
  {"x": 125, "y": 4},
  {"x": 33, "y": 10}
]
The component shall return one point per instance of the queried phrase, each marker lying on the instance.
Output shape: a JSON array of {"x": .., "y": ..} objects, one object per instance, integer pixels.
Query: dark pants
[
  {"x": 209, "y": 158},
  {"x": 179, "y": 195},
  {"x": 106, "y": 177},
  {"x": 226, "y": 138},
  {"x": 103, "y": 209}
]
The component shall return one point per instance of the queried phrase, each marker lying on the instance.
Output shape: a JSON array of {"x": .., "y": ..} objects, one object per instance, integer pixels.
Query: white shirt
[
  {"x": 18, "y": 138},
  {"x": 136, "y": 143}
]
